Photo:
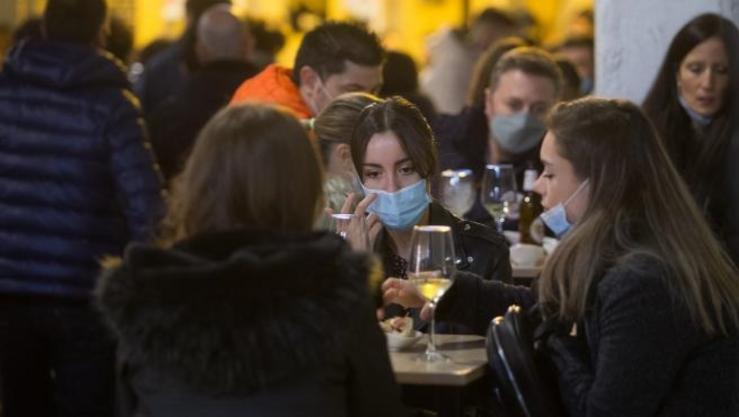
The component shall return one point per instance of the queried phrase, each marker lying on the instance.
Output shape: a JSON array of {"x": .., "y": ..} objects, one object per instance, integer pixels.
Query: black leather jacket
[{"x": 479, "y": 249}]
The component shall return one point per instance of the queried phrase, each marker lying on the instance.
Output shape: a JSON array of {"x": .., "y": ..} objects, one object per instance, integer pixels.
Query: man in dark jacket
[
  {"x": 168, "y": 71},
  {"x": 524, "y": 85},
  {"x": 77, "y": 182},
  {"x": 223, "y": 47}
]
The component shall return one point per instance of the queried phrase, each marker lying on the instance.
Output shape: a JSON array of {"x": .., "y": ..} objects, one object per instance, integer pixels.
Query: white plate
[
  {"x": 396, "y": 341},
  {"x": 549, "y": 244},
  {"x": 512, "y": 236}
]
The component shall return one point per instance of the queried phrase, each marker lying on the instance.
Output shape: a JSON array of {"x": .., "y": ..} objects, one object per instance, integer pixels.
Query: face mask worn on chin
[
  {"x": 696, "y": 117},
  {"x": 402, "y": 209},
  {"x": 556, "y": 217},
  {"x": 517, "y": 133}
]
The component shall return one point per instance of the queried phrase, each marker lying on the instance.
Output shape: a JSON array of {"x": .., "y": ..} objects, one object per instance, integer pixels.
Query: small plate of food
[{"x": 400, "y": 333}]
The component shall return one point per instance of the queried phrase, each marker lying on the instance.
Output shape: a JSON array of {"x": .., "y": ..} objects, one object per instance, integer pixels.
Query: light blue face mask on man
[
  {"x": 402, "y": 209},
  {"x": 518, "y": 132},
  {"x": 556, "y": 217}
]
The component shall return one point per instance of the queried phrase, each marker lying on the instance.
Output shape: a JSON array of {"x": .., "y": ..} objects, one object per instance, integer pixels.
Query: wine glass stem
[
  {"x": 431, "y": 346},
  {"x": 499, "y": 224}
]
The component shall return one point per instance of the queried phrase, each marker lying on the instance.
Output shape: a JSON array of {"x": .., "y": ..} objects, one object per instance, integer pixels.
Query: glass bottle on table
[{"x": 529, "y": 210}]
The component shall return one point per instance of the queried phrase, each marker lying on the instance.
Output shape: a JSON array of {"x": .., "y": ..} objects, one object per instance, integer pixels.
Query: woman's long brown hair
[
  {"x": 638, "y": 206},
  {"x": 252, "y": 166}
]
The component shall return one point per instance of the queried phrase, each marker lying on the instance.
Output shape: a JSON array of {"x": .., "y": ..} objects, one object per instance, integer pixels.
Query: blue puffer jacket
[{"x": 77, "y": 178}]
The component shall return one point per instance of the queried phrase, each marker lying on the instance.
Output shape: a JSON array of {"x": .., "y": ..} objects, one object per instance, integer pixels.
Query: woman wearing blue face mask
[
  {"x": 654, "y": 297},
  {"x": 393, "y": 150}
]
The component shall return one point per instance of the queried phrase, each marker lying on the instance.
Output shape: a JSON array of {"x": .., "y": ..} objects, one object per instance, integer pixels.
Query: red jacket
[{"x": 273, "y": 85}]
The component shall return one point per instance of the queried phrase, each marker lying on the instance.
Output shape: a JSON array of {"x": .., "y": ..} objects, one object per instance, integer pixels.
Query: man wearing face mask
[
  {"x": 333, "y": 59},
  {"x": 524, "y": 85}
]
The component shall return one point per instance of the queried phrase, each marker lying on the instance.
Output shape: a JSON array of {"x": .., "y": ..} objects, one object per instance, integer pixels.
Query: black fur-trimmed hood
[{"x": 233, "y": 312}]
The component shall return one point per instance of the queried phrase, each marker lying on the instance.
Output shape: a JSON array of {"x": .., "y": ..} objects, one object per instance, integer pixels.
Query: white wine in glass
[
  {"x": 431, "y": 270},
  {"x": 499, "y": 193}
]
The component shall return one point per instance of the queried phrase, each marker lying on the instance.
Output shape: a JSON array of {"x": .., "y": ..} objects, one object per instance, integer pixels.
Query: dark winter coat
[
  {"x": 176, "y": 122},
  {"x": 250, "y": 324},
  {"x": 642, "y": 355},
  {"x": 77, "y": 179}
]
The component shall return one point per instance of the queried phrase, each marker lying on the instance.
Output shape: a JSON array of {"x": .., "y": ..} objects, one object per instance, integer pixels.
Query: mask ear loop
[{"x": 580, "y": 188}]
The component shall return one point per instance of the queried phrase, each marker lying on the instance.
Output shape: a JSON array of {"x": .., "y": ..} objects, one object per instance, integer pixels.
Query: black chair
[{"x": 523, "y": 379}]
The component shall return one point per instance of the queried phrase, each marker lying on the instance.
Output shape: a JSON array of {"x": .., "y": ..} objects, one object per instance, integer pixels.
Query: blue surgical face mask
[
  {"x": 696, "y": 117},
  {"x": 402, "y": 209},
  {"x": 556, "y": 217},
  {"x": 586, "y": 85},
  {"x": 517, "y": 133}
]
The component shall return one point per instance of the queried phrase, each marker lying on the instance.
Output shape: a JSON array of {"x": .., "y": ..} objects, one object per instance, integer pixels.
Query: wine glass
[
  {"x": 458, "y": 191},
  {"x": 431, "y": 270},
  {"x": 352, "y": 228},
  {"x": 499, "y": 193}
]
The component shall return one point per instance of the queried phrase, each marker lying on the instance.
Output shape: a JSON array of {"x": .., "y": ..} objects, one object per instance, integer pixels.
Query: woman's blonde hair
[
  {"x": 638, "y": 206},
  {"x": 252, "y": 166},
  {"x": 337, "y": 121}
]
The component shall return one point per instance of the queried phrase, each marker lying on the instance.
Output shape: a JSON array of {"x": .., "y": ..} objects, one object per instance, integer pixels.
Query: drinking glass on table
[
  {"x": 458, "y": 191},
  {"x": 431, "y": 270},
  {"x": 352, "y": 228},
  {"x": 499, "y": 193}
]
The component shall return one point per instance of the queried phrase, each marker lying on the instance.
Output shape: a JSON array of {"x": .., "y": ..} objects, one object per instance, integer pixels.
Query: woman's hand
[
  {"x": 359, "y": 237},
  {"x": 400, "y": 291}
]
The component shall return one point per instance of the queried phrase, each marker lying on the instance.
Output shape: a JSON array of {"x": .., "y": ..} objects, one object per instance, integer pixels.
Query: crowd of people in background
[{"x": 161, "y": 213}]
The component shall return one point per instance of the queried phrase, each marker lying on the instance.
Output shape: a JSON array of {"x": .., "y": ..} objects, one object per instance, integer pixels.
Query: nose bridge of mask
[{"x": 396, "y": 200}]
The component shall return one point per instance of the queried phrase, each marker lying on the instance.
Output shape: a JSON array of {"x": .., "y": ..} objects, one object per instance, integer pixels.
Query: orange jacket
[{"x": 273, "y": 85}]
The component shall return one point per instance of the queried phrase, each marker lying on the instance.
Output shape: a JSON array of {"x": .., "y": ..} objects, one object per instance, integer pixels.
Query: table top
[
  {"x": 468, "y": 362},
  {"x": 526, "y": 272}
]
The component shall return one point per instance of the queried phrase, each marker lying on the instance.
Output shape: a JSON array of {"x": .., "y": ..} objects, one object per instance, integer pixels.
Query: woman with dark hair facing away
[
  {"x": 654, "y": 297},
  {"x": 694, "y": 104},
  {"x": 242, "y": 310},
  {"x": 393, "y": 150}
]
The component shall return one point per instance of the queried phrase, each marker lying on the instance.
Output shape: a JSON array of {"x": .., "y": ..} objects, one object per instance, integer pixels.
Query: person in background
[
  {"x": 694, "y": 104},
  {"x": 463, "y": 137},
  {"x": 641, "y": 302},
  {"x": 452, "y": 55},
  {"x": 223, "y": 48},
  {"x": 484, "y": 67},
  {"x": 119, "y": 39},
  {"x": 393, "y": 150},
  {"x": 570, "y": 79},
  {"x": 400, "y": 78},
  {"x": 523, "y": 85},
  {"x": 580, "y": 51},
  {"x": 166, "y": 73},
  {"x": 333, "y": 59},
  {"x": 77, "y": 183},
  {"x": 333, "y": 129},
  {"x": 242, "y": 309},
  {"x": 267, "y": 43}
]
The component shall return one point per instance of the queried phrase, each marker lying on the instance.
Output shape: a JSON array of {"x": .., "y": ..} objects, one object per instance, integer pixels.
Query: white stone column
[{"x": 632, "y": 37}]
